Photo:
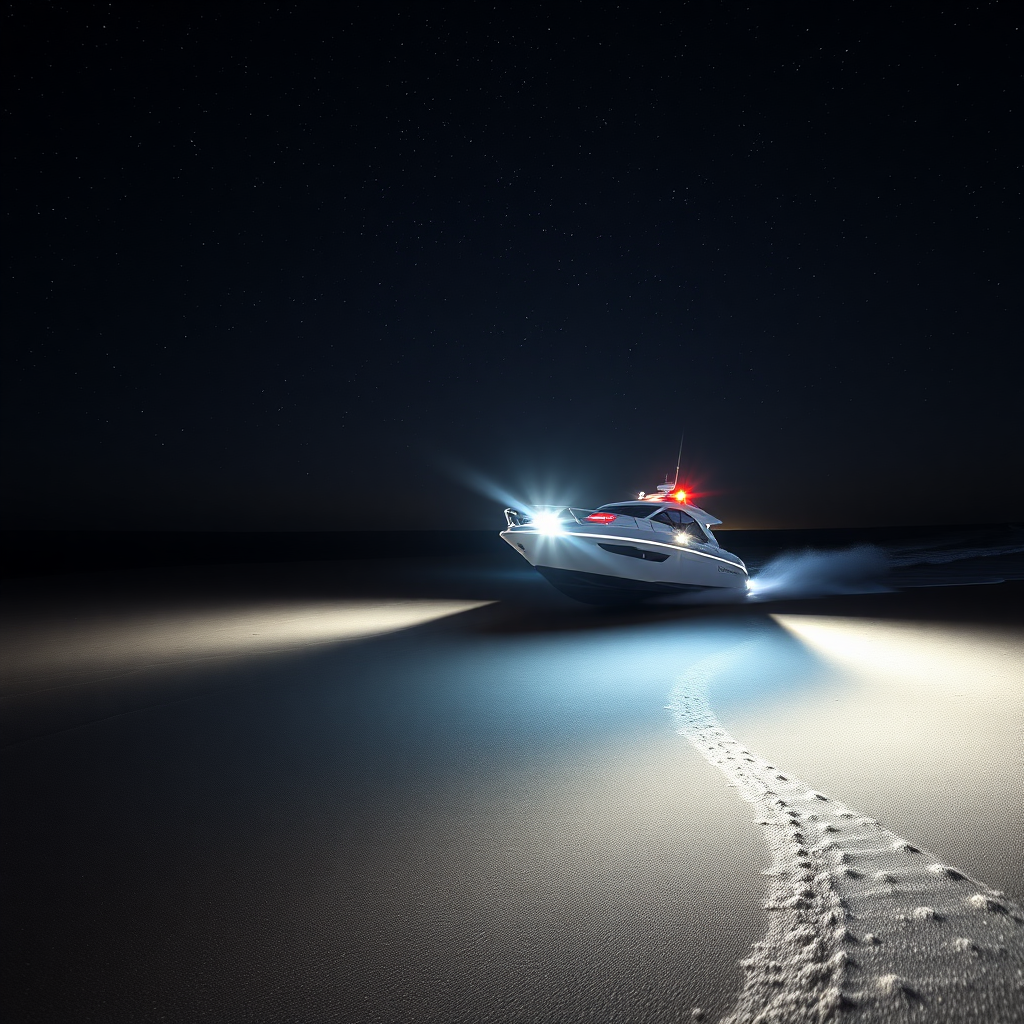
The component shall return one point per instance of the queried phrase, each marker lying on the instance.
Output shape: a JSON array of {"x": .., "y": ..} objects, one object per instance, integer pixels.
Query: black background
[{"x": 266, "y": 267}]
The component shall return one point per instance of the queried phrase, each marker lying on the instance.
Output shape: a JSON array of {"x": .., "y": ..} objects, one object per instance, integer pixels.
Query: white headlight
[{"x": 547, "y": 522}]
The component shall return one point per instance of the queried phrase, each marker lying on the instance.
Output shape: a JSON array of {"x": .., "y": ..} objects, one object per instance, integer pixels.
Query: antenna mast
[{"x": 679, "y": 460}]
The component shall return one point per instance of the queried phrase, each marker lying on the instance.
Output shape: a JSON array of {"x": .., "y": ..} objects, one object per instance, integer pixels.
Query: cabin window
[
  {"x": 673, "y": 517},
  {"x": 697, "y": 532}
]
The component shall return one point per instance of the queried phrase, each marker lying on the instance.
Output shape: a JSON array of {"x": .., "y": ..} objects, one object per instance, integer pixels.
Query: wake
[
  {"x": 869, "y": 569},
  {"x": 858, "y": 570}
]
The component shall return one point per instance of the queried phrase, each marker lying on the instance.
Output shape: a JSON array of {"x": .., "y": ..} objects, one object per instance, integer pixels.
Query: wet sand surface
[{"x": 336, "y": 792}]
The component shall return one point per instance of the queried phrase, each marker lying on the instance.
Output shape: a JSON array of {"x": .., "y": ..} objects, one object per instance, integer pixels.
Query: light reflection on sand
[
  {"x": 94, "y": 645},
  {"x": 860, "y": 920},
  {"x": 920, "y": 724},
  {"x": 496, "y": 813}
]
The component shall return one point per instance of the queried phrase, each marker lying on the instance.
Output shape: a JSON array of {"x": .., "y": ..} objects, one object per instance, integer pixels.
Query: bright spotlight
[{"x": 547, "y": 522}]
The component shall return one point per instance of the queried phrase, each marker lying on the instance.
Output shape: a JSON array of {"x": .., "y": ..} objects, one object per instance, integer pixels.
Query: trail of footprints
[{"x": 863, "y": 925}]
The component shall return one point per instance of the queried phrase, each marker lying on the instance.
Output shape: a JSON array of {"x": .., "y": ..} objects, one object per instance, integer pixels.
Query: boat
[{"x": 656, "y": 545}]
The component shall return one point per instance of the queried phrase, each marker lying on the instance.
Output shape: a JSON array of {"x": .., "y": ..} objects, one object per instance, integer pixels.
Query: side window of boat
[
  {"x": 696, "y": 532},
  {"x": 673, "y": 517}
]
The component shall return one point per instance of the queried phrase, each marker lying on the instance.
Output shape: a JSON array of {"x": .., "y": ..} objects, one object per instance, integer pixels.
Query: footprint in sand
[{"x": 845, "y": 884}]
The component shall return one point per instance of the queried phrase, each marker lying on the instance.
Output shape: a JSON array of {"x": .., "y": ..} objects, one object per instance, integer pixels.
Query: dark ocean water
[{"x": 877, "y": 558}]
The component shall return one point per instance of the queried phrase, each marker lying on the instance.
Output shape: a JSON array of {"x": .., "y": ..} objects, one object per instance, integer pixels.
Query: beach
[{"x": 334, "y": 791}]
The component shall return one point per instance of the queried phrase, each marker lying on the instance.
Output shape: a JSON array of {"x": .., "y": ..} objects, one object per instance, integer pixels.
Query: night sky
[{"x": 285, "y": 266}]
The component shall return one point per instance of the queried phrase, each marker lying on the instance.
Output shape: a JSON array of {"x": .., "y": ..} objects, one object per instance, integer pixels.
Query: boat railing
[{"x": 517, "y": 517}]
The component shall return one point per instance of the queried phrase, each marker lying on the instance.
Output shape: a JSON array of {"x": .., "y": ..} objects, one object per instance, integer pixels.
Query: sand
[
  {"x": 461, "y": 797},
  {"x": 863, "y": 924}
]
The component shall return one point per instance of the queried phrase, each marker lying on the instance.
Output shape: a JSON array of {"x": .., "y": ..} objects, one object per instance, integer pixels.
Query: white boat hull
[{"x": 637, "y": 560}]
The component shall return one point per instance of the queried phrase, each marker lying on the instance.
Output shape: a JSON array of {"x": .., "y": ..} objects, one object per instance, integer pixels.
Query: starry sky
[{"x": 333, "y": 267}]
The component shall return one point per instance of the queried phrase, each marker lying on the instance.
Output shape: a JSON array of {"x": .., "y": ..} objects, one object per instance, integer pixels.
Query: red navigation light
[
  {"x": 601, "y": 517},
  {"x": 680, "y": 495}
]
